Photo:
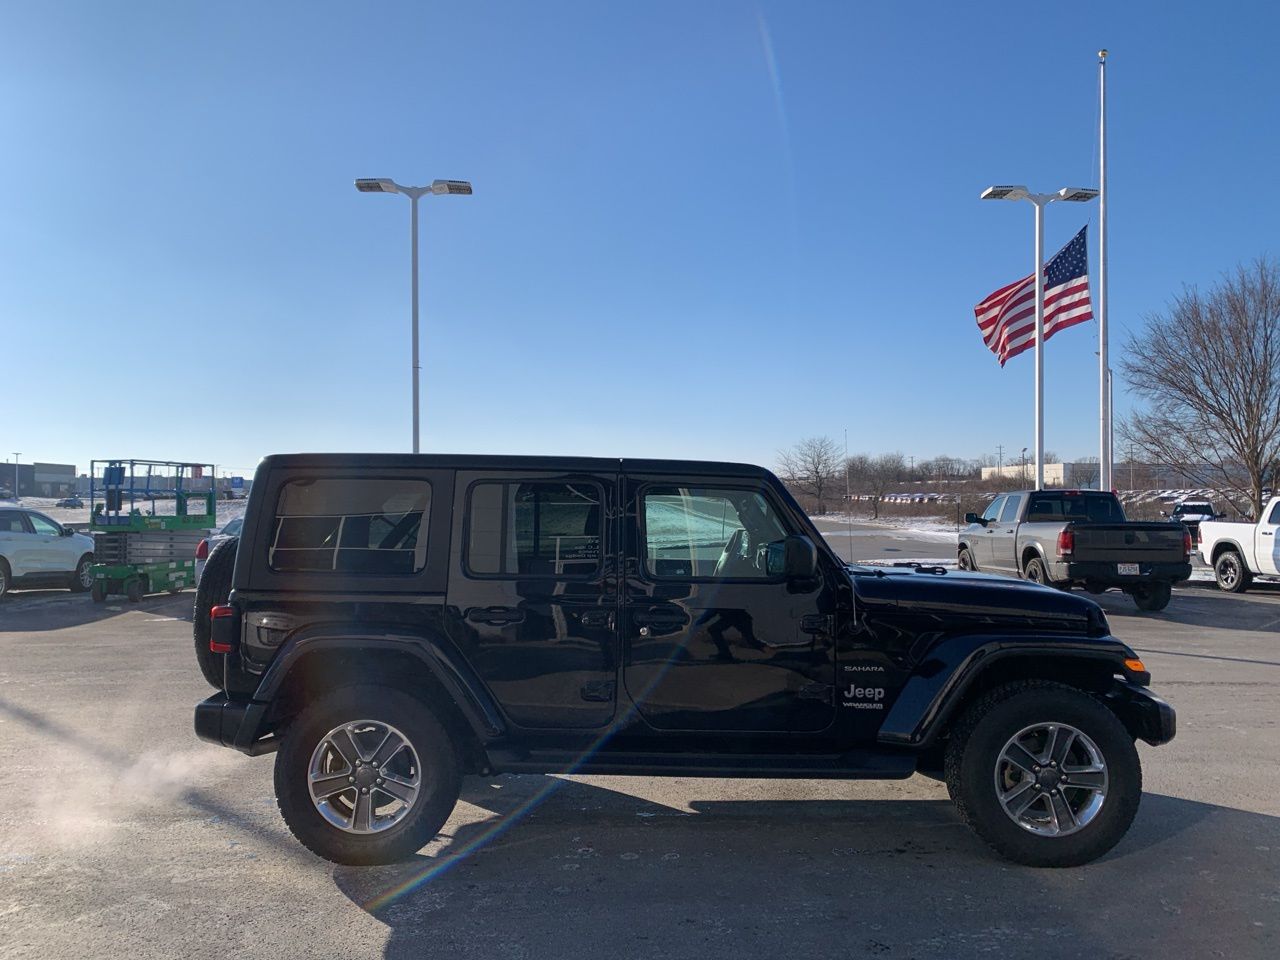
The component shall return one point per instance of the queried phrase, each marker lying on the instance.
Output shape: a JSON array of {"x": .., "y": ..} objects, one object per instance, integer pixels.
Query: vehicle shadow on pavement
[
  {"x": 30, "y": 611},
  {"x": 589, "y": 871}
]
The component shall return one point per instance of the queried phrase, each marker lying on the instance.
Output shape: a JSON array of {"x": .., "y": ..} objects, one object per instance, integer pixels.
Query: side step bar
[{"x": 855, "y": 765}]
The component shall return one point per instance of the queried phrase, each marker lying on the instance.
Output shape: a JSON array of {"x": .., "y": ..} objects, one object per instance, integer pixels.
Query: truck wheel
[
  {"x": 1231, "y": 573},
  {"x": 965, "y": 560},
  {"x": 1044, "y": 773},
  {"x": 366, "y": 775},
  {"x": 214, "y": 588},
  {"x": 82, "y": 579},
  {"x": 1154, "y": 596}
]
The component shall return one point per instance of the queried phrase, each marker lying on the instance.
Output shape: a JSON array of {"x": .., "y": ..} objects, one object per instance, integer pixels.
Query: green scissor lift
[{"x": 139, "y": 545}]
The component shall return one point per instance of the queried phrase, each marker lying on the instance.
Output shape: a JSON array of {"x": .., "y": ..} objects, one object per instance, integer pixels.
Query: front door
[
  {"x": 712, "y": 641},
  {"x": 1267, "y": 542},
  {"x": 1004, "y": 538},
  {"x": 48, "y": 545},
  {"x": 984, "y": 537},
  {"x": 534, "y": 605}
]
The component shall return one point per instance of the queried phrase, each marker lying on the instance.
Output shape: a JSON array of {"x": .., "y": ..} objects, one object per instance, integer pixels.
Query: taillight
[
  {"x": 202, "y": 550},
  {"x": 1186, "y": 542},
  {"x": 1066, "y": 542},
  {"x": 219, "y": 641}
]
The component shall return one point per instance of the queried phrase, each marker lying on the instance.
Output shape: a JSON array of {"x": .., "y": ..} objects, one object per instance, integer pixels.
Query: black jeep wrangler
[{"x": 396, "y": 621}]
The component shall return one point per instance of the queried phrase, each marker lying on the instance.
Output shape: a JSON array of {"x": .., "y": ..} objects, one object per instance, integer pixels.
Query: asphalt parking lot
[{"x": 124, "y": 835}]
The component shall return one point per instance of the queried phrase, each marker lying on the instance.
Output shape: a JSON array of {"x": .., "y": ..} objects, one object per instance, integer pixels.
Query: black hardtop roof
[{"x": 472, "y": 461}]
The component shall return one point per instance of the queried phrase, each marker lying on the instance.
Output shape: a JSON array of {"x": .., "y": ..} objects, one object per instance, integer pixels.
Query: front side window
[
  {"x": 695, "y": 532},
  {"x": 993, "y": 509},
  {"x": 369, "y": 526},
  {"x": 534, "y": 528},
  {"x": 44, "y": 526}
]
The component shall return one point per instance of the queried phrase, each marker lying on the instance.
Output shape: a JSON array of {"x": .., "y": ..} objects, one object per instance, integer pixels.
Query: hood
[{"x": 977, "y": 600}]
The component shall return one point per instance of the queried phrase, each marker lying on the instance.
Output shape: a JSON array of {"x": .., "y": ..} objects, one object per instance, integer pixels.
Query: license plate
[{"x": 1127, "y": 569}]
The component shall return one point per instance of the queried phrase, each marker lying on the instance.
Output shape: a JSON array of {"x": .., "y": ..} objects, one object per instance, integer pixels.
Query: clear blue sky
[{"x": 699, "y": 229}]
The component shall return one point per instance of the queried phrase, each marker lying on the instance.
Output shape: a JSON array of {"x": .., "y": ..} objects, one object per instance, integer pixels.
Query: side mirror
[
  {"x": 794, "y": 558},
  {"x": 973, "y": 518},
  {"x": 67, "y": 531}
]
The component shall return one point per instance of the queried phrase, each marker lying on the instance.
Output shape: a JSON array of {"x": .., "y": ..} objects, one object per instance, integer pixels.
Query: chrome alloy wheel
[
  {"x": 1228, "y": 571},
  {"x": 364, "y": 776},
  {"x": 1051, "y": 779},
  {"x": 86, "y": 574}
]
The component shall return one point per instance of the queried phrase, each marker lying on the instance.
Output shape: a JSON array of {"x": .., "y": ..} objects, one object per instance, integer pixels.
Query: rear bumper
[
  {"x": 1144, "y": 714},
  {"x": 233, "y": 723},
  {"x": 1098, "y": 571}
]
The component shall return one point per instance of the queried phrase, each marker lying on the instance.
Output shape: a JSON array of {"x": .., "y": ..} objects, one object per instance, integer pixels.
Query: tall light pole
[
  {"x": 1039, "y": 201},
  {"x": 438, "y": 188}
]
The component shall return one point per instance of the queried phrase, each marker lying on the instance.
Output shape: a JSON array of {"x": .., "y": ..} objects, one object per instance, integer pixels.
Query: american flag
[{"x": 1007, "y": 318}]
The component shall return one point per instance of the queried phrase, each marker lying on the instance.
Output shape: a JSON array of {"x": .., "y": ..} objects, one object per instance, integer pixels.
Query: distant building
[
  {"x": 1055, "y": 474},
  {"x": 40, "y": 479}
]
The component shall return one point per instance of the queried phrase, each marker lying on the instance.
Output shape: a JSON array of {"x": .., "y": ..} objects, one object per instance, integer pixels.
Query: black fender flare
[
  {"x": 938, "y": 684},
  {"x": 436, "y": 655}
]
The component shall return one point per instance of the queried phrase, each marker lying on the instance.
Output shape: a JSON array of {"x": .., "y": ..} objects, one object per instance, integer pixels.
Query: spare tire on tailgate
[{"x": 214, "y": 588}]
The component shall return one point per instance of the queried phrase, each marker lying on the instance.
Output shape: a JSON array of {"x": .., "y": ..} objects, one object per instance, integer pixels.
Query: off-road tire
[
  {"x": 1154, "y": 596},
  {"x": 440, "y": 775},
  {"x": 1037, "y": 572},
  {"x": 974, "y": 748},
  {"x": 965, "y": 560},
  {"x": 77, "y": 583},
  {"x": 213, "y": 589},
  {"x": 1223, "y": 569}
]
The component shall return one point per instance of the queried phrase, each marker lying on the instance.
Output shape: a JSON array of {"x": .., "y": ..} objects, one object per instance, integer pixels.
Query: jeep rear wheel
[
  {"x": 367, "y": 775},
  {"x": 1044, "y": 773}
]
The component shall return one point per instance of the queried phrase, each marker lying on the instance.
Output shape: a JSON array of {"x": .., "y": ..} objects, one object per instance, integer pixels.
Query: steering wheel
[{"x": 732, "y": 551}]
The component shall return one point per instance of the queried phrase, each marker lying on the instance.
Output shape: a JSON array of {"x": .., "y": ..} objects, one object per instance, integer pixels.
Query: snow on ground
[{"x": 919, "y": 528}]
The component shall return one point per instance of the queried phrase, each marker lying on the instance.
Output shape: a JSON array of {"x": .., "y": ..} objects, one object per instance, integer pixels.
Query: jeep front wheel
[
  {"x": 1044, "y": 773},
  {"x": 367, "y": 775}
]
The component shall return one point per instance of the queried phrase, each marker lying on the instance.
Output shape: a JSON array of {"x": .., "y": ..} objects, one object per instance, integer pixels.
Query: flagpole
[
  {"x": 1040, "y": 344},
  {"x": 1104, "y": 367}
]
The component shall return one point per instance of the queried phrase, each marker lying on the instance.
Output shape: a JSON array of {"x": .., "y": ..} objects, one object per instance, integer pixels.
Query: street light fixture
[
  {"x": 436, "y": 188},
  {"x": 1040, "y": 201}
]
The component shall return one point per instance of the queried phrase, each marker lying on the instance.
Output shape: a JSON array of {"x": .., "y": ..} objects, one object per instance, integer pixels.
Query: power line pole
[{"x": 1000, "y": 456}]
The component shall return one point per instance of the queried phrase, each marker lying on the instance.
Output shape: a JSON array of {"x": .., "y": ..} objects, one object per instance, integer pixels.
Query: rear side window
[
  {"x": 11, "y": 522},
  {"x": 1061, "y": 507},
  {"x": 1010, "y": 511},
  {"x": 533, "y": 528},
  {"x": 371, "y": 526}
]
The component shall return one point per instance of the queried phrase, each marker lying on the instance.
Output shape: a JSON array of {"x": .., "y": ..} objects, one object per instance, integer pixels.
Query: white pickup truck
[{"x": 1240, "y": 551}]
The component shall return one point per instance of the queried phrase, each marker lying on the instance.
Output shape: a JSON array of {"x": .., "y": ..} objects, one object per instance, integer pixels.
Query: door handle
[
  {"x": 659, "y": 618},
  {"x": 597, "y": 618},
  {"x": 495, "y": 616},
  {"x": 815, "y": 623}
]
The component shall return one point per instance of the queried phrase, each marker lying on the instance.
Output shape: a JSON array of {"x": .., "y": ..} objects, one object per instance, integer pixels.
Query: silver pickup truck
[{"x": 1062, "y": 538}]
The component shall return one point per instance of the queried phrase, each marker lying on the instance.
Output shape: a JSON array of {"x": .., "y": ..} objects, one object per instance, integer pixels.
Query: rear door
[
  {"x": 712, "y": 641},
  {"x": 17, "y": 543},
  {"x": 1266, "y": 545},
  {"x": 533, "y": 602}
]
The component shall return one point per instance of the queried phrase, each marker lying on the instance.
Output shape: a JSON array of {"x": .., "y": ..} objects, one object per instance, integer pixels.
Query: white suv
[{"x": 37, "y": 552}]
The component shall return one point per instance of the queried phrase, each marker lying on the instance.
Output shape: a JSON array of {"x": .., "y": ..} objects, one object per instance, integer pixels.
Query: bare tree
[
  {"x": 874, "y": 476},
  {"x": 812, "y": 468},
  {"x": 1209, "y": 368}
]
